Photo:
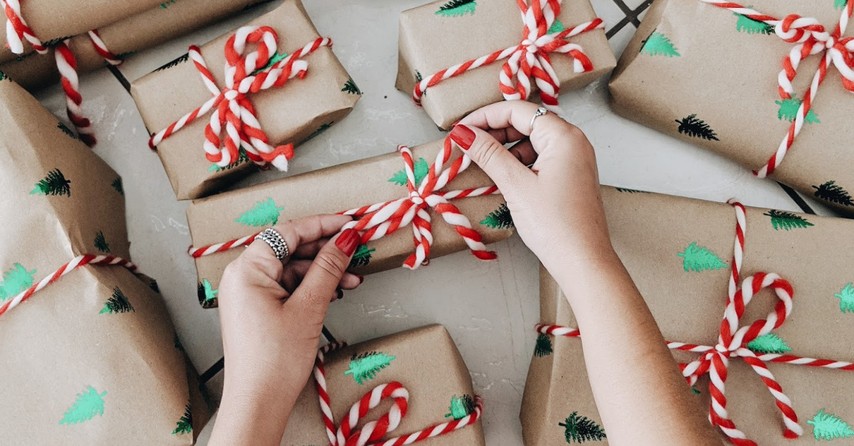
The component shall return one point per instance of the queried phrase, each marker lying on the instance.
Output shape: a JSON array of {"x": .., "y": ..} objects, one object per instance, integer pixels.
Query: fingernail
[
  {"x": 361, "y": 279},
  {"x": 348, "y": 241},
  {"x": 463, "y": 136},
  {"x": 340, "y": 294}
]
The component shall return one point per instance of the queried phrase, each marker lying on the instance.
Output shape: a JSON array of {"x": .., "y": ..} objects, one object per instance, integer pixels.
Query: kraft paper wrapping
[
  {"x": 233, "y": 214},
  {"x": 648, "y": 232},
  {"x": 77, "y": 368},
  {"x": 430, "y": 42},
  {"x": 60, "y": 19},
  {"x": 728, "y": 79},
  {"x": 291, "y": 113},
  {"x": 426, "y": 362},
  {"x": 126, "y": 37}
]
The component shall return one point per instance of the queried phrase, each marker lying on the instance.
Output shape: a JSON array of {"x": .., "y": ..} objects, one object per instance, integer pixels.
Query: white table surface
[{"x": 489, "y": 308}]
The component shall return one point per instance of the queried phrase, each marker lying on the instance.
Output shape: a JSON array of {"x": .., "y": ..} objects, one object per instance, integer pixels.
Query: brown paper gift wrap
[
  {"x": 651, "y": 234},
  {"x": 437, "y": 35},
  {"x": 289, "y": 114},
  {"x": 710, "y": 77},
  {"x": 92, "y": 358},
  {"x": 425, "y": 360},
  {"x": 240, "y": 213}
]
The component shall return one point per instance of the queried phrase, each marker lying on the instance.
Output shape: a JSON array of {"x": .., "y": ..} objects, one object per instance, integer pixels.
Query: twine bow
[{"x": 233, "y": 123}]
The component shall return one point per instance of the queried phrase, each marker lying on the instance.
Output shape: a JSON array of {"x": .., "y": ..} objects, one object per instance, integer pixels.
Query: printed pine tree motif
[
  {"x": 787, "y": 220},
  {"x": 3, "y": 76},
  {"x": 241, "y": 158},
  {"x": 351, "y": 87},
  {"x": 418, "y": 77},
  {"x": 697, "y": 258},
  {"x": 499, "y": 218},
  {"x": 365, "y": 367},
  {"x": 845, "y": 296},
  {"x": 122, "y": 56},
  {"x": 179, "y": 60},
  {"x": 154, "y": 286},
  {"x": 789, "y": 110},
  {"x": 185, "y": 423},
  {"x": 362, "y": 256},
  {"x": 54, "y": 42},
  {"x": 118, "y": 186},
  {"x": 631, "y": 191},
  {"x": 833, "y": 193},
  {"x": 543, "y": 346},
  {"x": 747, "y": 25},
  {"x": 15, "y": 280},
  {"x": 769, "y": 343},
  {"x": 263, "y": 213},
  {"x": 457, "y": 8},
  {"x": 66, "y": 130},
  {"x": 101, "y": 242},
  {"x": 578, "y": 429},
  {"x": 277, "y": 57},
  {"x": 696, "y": 128},
  {"x": 167, "y": 4},
  {"x": 557, "y": 26},
  {"x": 319, "y": 130},
  {"x": 88, "y": 404},
  {"x": 420, "y": 169},
  {"x": 839, "y": 4},
  {"x": 461, "y": 407},
  {"x": 117, "y": 303},
  {"x": 207, "y": 294},
  {"x": 658, "y": 44},
  {"x": 827, "y": 426},
  {"x": 53, "y": 184}
]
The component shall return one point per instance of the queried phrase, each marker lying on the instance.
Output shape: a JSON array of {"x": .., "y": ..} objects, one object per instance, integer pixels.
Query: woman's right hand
[{"x": 556, "y": 204}]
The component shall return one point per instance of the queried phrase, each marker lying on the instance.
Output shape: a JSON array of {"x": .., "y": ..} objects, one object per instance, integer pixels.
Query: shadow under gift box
[
  {"x": 686, "y": 290},
  {"x": 708, "y": 76},
  {"x": 289, "y": 114},
  {"x": 424, "y": 360},
  {"x": 92, "y": 358},
  {"x": 433, "y": 38},
  {"x": 243, "y": 212}
]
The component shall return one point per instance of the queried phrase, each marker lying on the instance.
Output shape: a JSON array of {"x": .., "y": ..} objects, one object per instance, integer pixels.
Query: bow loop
[
  {"x": 842, "y": 54},
  {"x": 347, "y": 433},
  {"x": 796, "y": 29}
]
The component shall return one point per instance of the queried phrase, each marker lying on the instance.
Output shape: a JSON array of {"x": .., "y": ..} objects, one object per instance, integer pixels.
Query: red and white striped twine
[
  {"x": 233, "y": 123},
  {"x": 378, "y": 220},
  {"x": 75, "y": 263},
  {"x": 732, "y": 343},
  {"x": 810, "y": 37},
  {"x": 371, "y": 433},
  {"x": 530, "y": 58},
  {"x": 17, "y": 30}
]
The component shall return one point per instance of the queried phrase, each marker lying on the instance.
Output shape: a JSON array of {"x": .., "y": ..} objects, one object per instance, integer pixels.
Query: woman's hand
[{"x": 272, "y": 315}]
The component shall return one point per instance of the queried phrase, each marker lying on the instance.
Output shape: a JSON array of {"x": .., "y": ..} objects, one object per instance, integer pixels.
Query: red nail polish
[
  {"x": 340, "y": 294},
  {"x": 463, "y": 136},
  {"x": 348, "y": 241},
  {"x": 361, "y": 279}
]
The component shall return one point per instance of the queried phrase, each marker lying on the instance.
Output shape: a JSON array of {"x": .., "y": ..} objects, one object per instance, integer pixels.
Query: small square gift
[
  {"x": 243, "y": 99},
  {"x": 775, "y": 318},
  {"x": 459, "y": 55}
]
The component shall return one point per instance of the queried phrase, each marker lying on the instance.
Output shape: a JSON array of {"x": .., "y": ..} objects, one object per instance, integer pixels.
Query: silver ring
[
  {"x": 540, "y": 112},
  {"x": 276, "y": 242}
]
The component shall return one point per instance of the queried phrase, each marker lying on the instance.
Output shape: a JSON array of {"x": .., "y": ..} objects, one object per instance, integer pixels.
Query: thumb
[
  {"x": 324, "y": 274},
  {"x": 491, "y": 156}
]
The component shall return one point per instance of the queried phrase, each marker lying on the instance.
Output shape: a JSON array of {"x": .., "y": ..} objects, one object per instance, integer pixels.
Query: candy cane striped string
[
  {"x": 17, "y": 30},
  {"x": 77, "y": 262},
  {"x": 233, "y": 123},
  {"x": 530, "y": 58},
  {"x": 102, "y": 50},
  {"x": 371, "y": 433},
  {"x": 66, "y": 64},
  {"x": 810, "y": 38}
]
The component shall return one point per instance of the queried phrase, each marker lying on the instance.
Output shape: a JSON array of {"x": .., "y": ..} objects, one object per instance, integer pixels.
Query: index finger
[
  {"x": 301, "y": 231},
  {"x": 508, "y": 120}
]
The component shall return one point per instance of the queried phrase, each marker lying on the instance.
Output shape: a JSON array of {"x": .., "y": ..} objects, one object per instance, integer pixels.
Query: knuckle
[
  {"x": 488, "y": 151},
  {"x": 331, "y": 264}
]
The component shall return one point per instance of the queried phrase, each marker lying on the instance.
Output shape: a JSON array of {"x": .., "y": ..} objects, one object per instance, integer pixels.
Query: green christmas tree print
[
  {"x": 362, "y": 256},
  {"x": 276, "y": 58},
  {"x": 543, "y": 346},
  {"x": 420, "y": 169},
  {"x": 578, "y": 429},
  {"x": 54, "y": 183},
  {"x": 365, "y": 367},
  {"x": 747, "y": 25},
  {"x": 263, "y": 213},
  {"x": 118, "y": 186},
  {"x": 154, "y": 286},
  {"x": 66, "y": 130},
  {"x": 499, "y": 218},
  {"x": 834, "y": 193},
  {"x": 207, "y": 294},
  {"x": 827, "y": 426},
  {"x": 839, "y": 4},
  {"x": 321, "y": 129},
  {"x": 167, "y": 4},
  {"x": 631, "y": 191},
  {"x": 846, "y": 298},
  {"x": 419, "y": 78},
  {"x": 658, "y": 44},
  {"x": 351, "y": 87},
  {"x": 3, "y": 76},
  {"x": 241, "y": 159},
  {"x": 456, "y": 8},
  {"x": 697, "y": 258},
  {"x": 185, "y": 423},
  {"x": 696, "y": 128},
  {"x": 117, "y": 303},
  {"x": 461, "y": 407},
  {"x": 769, "y": 343},
  {"x": 557, "y": 26},
  {"x": 787, "y": 220},
  {"x": 88, "y": 404},
  {"x": 101, "y": 242},
  {"x": 15, "y": 280},
  {"x": 789, "y": 110},
  {"x": 179, "y": 60}
]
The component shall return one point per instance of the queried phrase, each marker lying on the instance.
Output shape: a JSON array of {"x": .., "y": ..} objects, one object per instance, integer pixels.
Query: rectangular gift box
[
  {"x": 710, "y": 77},
  {"x": 445, "y": 33},
  {"x": 289, "y": 114},
  {"x": 425, "y": 361},
  {"x": 678, "y": 253},
  {"x": 92, "y": 358},
  {"x": 243, "y": 212}
]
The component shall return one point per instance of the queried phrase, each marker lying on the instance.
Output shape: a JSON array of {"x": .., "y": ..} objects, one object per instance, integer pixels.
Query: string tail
[{"x": 66, "y": 63}]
